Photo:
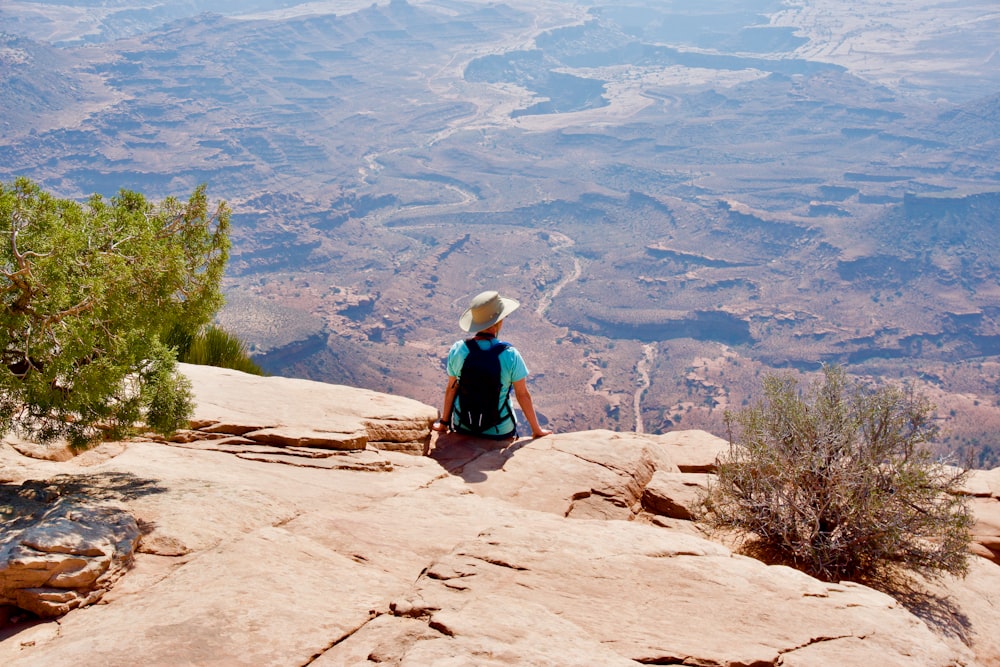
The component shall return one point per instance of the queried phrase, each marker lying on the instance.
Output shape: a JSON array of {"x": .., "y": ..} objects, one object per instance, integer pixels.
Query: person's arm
[
  {"x": 449, "y": 402},
  {"x": 528, "y": 408}
]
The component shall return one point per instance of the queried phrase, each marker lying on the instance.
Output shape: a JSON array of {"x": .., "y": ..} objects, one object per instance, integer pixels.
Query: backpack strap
[{"x": 497, "y": 348}]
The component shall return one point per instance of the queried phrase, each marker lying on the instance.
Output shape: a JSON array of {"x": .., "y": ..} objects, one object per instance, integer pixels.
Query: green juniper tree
[
  {"x": 89, "y": 295},
  {"x": 838, "y": 481}
]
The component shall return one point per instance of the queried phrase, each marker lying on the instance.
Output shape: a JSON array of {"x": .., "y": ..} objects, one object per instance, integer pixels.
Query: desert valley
[{"x": 684, "y": 196}]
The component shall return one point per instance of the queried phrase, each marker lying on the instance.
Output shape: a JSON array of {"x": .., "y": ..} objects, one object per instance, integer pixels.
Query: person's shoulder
[
  {"x": 458, "y": 347},
  {"x": 511, "y": 350}
]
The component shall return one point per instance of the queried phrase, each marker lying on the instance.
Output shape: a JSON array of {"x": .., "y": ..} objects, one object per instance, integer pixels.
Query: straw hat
[{"x": 485, "y": 310}]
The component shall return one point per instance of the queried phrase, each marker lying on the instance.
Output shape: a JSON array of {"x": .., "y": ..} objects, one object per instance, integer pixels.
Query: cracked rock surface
[{"x": 543, "y": 552}]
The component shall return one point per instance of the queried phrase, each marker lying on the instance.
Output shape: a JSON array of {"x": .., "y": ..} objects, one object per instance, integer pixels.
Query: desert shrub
[
  {"x": 837, "y": 480},
  {"x": 214, "y": 346}
]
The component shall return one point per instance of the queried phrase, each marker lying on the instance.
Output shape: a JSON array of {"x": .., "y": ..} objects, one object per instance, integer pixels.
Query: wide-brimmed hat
[{"x": 485, "y": 310}]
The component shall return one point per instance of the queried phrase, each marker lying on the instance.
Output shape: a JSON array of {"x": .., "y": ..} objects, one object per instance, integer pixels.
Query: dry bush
[{"x": 838, "y": 481}]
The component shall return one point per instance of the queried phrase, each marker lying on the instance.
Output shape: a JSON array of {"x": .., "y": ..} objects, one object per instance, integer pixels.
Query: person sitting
[{"x": 480, "y": 405}]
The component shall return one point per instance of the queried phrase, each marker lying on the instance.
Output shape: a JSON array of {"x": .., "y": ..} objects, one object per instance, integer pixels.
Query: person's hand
[
  {"x": 541, "y": 433},
  {"x": 440, "y": 426}
]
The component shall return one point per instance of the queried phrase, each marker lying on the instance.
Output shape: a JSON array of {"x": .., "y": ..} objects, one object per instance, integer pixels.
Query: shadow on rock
[
  {"x": 473, "y": 458},
  {"x": 25, "y": 503},
  {"x": 97, "y": 486},
  {"x": 937, "y": 611}
]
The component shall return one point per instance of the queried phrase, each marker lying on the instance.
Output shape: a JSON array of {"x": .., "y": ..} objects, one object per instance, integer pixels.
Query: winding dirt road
[
  {"x": 559, "y": 244},
  {"x": 642, "y": 368}
]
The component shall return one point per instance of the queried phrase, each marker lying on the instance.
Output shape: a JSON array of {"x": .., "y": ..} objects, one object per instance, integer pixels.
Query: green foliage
[
  {"x": 89, "y": 294},
  {"x": 217, "y": 347},
  {"x": 169, "y": 397},
  {"x": 838, "y": 482}
]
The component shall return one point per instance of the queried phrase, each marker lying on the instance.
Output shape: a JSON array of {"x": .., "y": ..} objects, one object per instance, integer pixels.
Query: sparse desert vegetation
[{"x": 837, "y": 479}]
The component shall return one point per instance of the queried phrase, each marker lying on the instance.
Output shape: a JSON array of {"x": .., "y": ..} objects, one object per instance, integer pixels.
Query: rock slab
[
  {"x": 62, "y": 556},
  {"x": 552, "y": 551},
  {"x": 289, "y": 412}
]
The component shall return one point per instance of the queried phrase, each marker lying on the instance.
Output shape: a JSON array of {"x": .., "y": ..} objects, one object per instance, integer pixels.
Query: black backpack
[{"x": 479, "y": 388}]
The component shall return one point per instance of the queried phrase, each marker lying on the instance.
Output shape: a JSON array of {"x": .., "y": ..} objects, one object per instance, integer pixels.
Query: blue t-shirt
[{"x": 512, "y": 369}]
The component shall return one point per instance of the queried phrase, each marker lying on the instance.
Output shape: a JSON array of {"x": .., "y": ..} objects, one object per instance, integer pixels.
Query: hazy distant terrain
[{"x": 683, "y": 195}]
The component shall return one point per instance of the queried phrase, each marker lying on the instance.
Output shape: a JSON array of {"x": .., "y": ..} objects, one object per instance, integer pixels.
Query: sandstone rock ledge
[
  {"x": 569, "y": 550},
  {"x": 286, "y": 412}
]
